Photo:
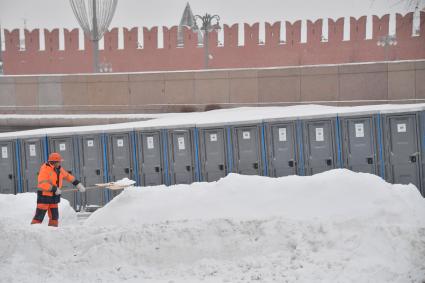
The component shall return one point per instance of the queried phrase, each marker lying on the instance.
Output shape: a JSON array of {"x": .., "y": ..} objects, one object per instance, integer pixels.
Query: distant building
[{"x": 188, "y": 21}]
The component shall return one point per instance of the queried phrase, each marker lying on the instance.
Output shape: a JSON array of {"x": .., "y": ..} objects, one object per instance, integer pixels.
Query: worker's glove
[
  {"x": 81, "y": 188},
  {"x": 56, "y": 190}
]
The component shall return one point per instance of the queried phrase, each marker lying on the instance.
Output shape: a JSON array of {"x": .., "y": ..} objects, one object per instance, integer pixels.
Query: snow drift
[
  {"x": 336, "y": 195},
  {"x": 20, "y": 209},
  {"x": 337, "y": 226}
]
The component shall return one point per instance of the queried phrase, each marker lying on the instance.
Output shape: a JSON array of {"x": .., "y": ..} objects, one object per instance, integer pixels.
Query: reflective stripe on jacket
[{"x": 49, "y": 177}]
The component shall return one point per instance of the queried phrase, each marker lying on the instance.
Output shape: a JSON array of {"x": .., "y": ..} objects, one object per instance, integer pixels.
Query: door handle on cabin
[
  {"x": 157, "y": 169},
  {"x": 329, "y": 161},
  {"x": 98, "y": 172},
  {"x": 255, "y": 165},
  {"x": 221, "y": 167},
  {"x": 10, "y": 176},
  {"x": 188, "y": 168},
  {"x": 291, "y": 163},
  {"x": 127, "y": 170},
  {"x": 369, "y": 160},
  {"x": 413, "y": 158}
]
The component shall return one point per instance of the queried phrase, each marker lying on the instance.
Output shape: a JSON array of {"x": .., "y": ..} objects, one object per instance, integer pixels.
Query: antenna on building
[{"x": 94, "y": 17}]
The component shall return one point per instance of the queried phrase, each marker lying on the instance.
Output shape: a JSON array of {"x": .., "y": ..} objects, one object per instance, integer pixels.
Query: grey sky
[{"x": 57, "y": 13}]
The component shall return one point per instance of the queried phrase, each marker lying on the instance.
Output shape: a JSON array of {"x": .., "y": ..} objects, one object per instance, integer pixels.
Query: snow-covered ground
[{"x": 337, "y": 226}]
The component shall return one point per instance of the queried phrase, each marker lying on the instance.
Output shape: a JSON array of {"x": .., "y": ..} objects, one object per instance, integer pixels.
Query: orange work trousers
[{"x": 51, "y": 209}]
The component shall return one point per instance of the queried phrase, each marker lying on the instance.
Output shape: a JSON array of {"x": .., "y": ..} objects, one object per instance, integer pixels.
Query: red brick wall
[{"x": 274, "y": 52}]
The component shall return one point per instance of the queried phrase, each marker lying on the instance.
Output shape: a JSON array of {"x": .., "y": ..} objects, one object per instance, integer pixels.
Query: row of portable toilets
[{"x": 388, "y": 145}]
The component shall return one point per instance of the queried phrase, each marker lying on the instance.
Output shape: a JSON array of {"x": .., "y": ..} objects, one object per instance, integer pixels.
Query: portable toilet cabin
[
  {"x": 92, "y": 162},
  {"x": 403, "y": 142},
  {"x": 248, "y": 147},
  {"x": 151, "y": 151},
  {"x": 360, "y": 139},
  {"x": 120, "y": 156},
  {"x": 10, "y": 175},
  {"x": 215, "y": 151},
  {"x": 282, "y": 142},
  {"x": 66, "y": 144},
  {"x": 182, "y": 155},
  {"x": 320, "y": 144},
  {"x": 34, "y": 150}
]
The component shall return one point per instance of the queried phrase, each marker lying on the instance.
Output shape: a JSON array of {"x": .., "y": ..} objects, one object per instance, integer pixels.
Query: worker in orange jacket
[{"x": 50, "y": 180}]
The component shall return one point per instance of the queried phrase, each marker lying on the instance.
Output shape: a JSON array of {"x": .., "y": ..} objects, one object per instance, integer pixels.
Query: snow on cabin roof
[{"x": 223, "y": 117}]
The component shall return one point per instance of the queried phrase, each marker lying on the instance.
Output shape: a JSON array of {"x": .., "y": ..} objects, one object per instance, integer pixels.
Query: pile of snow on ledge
[{"x": 337, "y": 226}]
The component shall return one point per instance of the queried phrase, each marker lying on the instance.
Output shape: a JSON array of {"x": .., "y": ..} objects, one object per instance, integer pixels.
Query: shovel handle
[
  {"x": 111, "y": 187},
  {"x": 87, "y": 188}
]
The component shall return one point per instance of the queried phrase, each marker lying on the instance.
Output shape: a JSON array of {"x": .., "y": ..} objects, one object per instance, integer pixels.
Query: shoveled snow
[
  {"x": 337, "y": 226},
  {"x": 125, "y": 182}
]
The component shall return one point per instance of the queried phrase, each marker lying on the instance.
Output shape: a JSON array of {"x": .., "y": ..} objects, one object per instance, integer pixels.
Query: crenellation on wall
[
  {"x": 131, "y": 38},
  {"x": 170, "y": 37},
  {"x": 404, "y": 25},
  {"x": 231, "y": 35},
  {"x": 190, "y": 39},
  {"x": 358, "y": 28},
  {"x": 71, "y": 39},
  {"x": 293, "y": 33},
  {"x": 314, "y": 31},
  {"x": 150, "y": 38},
  {"x": 111, "y": 40},
  {"x": 251, "y": 35},
  {"x": 32, "y": 40},
  {"x": 335, "y": 30},
  {"x": 272, "y": 34},
  {"x": 213, "y": 39},
  {"x": 51, "y": 39},
  {"x": 380, "y": 26},
  {"x": 276, "y": 51},
  {"x": 11, "y": 40}
]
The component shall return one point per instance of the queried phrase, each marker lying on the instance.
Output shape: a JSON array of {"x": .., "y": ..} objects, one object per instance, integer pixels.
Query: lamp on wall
[
  {"x": 209, "y": 23},
  {"x": 386, "y": 41},
  {"x": 105, "y": 67}
]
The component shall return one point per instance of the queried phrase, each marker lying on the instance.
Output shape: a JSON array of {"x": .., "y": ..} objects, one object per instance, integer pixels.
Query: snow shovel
[{"x": 111, "y": 185}]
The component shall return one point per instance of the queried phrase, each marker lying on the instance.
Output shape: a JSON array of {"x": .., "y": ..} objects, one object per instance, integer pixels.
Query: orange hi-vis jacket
[{"x": 49, "y": 177}]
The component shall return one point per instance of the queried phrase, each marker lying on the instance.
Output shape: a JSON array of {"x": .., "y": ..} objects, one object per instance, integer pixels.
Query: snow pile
[
  {"x": 337, "y": 226},
  {"x": 337, "y": 195},
  {"x": 20, "y": 209}
]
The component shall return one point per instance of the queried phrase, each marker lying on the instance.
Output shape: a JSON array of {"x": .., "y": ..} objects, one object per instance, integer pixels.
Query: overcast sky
[{"x": 57, "y": 13}]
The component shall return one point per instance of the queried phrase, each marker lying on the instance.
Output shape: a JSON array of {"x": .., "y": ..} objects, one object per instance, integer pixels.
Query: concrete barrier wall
[{"x": 351, "y": 84}]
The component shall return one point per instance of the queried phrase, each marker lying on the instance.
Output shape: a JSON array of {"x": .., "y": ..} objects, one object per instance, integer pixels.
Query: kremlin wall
[{"x": 273, "y": 52}]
